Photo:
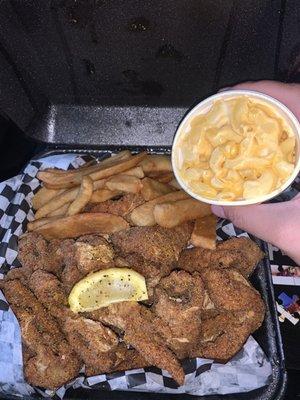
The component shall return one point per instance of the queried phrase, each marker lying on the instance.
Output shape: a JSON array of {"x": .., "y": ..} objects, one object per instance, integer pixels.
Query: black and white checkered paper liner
[{"x": 247, "y": 371}]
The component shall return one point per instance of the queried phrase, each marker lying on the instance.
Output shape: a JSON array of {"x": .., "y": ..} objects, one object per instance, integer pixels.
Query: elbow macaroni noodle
[{"x": 240, "y": 149}]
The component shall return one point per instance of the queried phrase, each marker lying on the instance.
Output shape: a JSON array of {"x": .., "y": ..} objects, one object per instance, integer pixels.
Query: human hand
[{"x": 276, "y": 223}]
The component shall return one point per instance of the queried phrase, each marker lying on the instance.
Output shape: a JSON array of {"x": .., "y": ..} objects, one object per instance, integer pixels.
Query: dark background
[{"x": 102, "y": 60}]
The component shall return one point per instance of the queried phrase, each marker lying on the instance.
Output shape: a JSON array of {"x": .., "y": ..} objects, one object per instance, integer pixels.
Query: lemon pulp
[{"x": 105, "y": 287}]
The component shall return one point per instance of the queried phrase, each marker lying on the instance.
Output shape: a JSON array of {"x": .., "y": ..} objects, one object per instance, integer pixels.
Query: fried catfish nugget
[
  {"x": 178, "y": 300},
  {"x": 49, "y": 359},
  {"x": 153, "y": 243},
  {"x": 87, "y": 254},
  {"x": 92, "y": 253},
  {"x": 222, "y": 336},
  {"x": 230, "y": 291},
  {"x": 241, "y": 254},
  {"x": 35, "y": 252},
  {"x": 140, "y": 331},
  {"x": 122, "y": 206}
]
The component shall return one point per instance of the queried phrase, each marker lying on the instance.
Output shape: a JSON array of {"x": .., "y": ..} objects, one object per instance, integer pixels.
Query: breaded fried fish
[
  {"x": 241, "y": 254},
  {"x": 50, "y": 361}
]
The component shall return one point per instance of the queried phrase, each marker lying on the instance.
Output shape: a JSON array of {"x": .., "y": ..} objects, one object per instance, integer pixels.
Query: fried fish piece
[
  {"x": 48, "y": 289},
  {"x": 223, "y": 335},
  {"x": 92, "y": 253},
  {"x": 86, "y": 254},
  {"x": 122, "y": 206},
  {"x": 126, "y": 359},
  {"x": 35, "y": 252},
  {"x": 241, "y": 254},
  {"x": 230, "y": 291},
  {"x": 49, "y": 360},
  {"x": 139, "y": 327},
  {"x": 178, "y": 300},
  {"x": 153, "y": 243}
]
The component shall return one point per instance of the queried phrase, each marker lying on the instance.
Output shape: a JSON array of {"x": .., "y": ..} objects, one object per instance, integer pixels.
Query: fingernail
[
  {"x": 218, "y": 211},
  {"x": 224, "y": 89}
]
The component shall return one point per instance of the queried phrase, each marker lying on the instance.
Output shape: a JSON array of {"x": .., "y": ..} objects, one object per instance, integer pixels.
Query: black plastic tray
[{"x": 268, "y": 336}]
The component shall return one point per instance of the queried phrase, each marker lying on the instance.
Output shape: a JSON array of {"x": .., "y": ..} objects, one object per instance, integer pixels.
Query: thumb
[{"x": 269, "y": 222}]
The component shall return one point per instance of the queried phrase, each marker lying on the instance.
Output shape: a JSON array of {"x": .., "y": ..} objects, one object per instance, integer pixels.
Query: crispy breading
[
  {"x": 241, "y": 254},
  {"x": 50, "y": 361},
  {"x": 86, "y": 254},
  {"x": 70, "y": 276},
  {"x": 153, "y": 243},
  {"x": 139, "y": 326},
  {"x": 222, "y": 336},
  {"x": 126, "y": 359},
  {"x": 35, "y": 252},
  {"x": 178, "y": 300},
  {"x": 48, "y": 289},
  {"x": 122, "y": 206},
  {"x": 92, "y": 253},
  {"x": 230, "y": 291}
]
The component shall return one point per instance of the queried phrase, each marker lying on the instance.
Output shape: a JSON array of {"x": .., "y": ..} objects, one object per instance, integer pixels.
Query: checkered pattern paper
[{"x": 248, "y": 370}]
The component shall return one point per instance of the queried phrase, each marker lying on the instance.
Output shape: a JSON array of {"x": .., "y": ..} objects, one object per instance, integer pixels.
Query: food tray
[{"x": 268, "y": 336}]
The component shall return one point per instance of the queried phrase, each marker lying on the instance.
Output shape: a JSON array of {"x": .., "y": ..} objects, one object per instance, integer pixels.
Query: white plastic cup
[{"x": 203, "y": 107}]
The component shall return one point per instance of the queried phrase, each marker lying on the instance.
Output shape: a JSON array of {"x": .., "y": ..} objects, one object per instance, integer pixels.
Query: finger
[
  {"x": 288, "y": 94},
  {"x": 264, "y": 220}
]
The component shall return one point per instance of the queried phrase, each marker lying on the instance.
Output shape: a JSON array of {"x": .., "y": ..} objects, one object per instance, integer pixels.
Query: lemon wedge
[{"x": 105, "y": 287}]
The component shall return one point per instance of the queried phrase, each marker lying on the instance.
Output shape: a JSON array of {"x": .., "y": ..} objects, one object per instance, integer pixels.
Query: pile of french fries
[{"x": 59, "y": 205}]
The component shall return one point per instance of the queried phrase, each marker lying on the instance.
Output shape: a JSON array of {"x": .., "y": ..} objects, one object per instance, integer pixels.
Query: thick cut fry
[
  {"x": 43, "y": 196},
  {"x": 172, "y": 214},
  {"x": 60, "y": 211},
  {"x": 82, "y": 224},
  {"x": 31, "y": 226},
  {"x": 163, "y": 178},
  {"x": 136, "y": 171},
  {"x": 143, "y": 215},
  {"x": 57, "y": 202},
  {"x": 156, "y": 163},
  {"x": 67, "y": 196},
  {"x": 83, "y": 197},
  {"x": 95, "y": 172},
  {"x": 152, "y": 189},
  {"x": 204, "y": 233},
  {"x": 101, "y": 195},
  {"x": 124, "y": 183},
  {"x": 82, "y": 171}
]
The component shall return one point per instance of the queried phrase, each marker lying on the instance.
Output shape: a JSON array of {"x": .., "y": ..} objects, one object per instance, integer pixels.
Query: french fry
[
  {"x": 143, "y": 215},
  {"x": 57, "y": 202},
  {"x": 171, "y": 214},
  {"x": 83, "y": 197},
  {"x": 67, "y": 196},
  {"x": 82, "y": 224},
  {"x": 95, "y": 172},
  {"x": 204, "y": 233},
  {"x": 101, "y": 195},
  {"x": 31, "y": 226},
  {"x": 43, "y": 196},
  {"x": 60, "y": 211},
  {"x": 136, "y": 171},
  {"x": 82, "y": 171},
  {"x": 156, "y": 163},
  {"x": 124, "y": 183},
  {"x": 152, "y": 189}
]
